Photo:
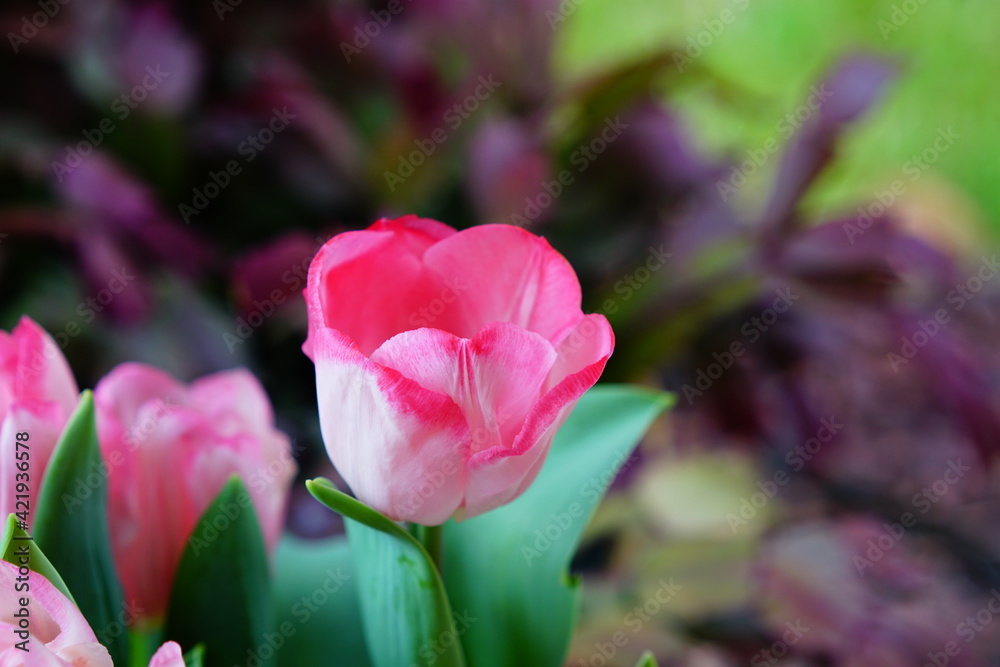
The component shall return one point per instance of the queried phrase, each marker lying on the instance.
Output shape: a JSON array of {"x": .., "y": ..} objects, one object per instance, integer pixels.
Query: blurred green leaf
[
  {"x": 221, "y": 594},
  {"x": 647, "y": 660},
  {"x": 407, "y": 617},
  {"x": 71, "y": 527},
  {"x": 509, "y": 567},
  {"x": 13, "y": 539},
  {"x": 195, "y": 657},
  {"x": 316, "y": 604}
]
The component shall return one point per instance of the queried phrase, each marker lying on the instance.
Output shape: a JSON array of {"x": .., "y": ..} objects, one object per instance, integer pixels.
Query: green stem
[
  {"x": 431, "y": 538},
  {"x": 143, "y": 642}
]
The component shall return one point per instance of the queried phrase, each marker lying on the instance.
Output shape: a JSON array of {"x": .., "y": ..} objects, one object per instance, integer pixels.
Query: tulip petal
[
  {"x": 44, "y": 422},
  {"x": 495, "y": 378},
  {"x": 39, "y": 368},
  {"x": 391, "y": 437},
  {"x": 355, "y": 274},
  {"x": 506, "y": 274},
  {"x": 59, "y": 633},
  {"x": 233, "y": 399},
  {"x": 168, "y": 655},
  {"x": 498, "y": 475}
]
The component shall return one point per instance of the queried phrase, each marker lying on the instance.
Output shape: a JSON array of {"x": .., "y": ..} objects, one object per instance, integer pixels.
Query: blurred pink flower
[
  {"x": 171, "y": 449},
  {"x": 137, "y": 55},
  {"x": 446, "y": 361},
  {"x": 37, "y": 396}
]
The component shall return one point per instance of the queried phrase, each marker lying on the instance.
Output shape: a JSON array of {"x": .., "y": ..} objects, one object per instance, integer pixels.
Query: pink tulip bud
[
  {"x": 41, "y": 626},
  {"x": 446, "y": 361},
  {"x": 37, "y": 396},
  {"x": 169, "y": 450}
]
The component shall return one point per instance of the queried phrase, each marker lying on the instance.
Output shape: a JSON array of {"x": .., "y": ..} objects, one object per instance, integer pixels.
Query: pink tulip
[
  {"x": 58, "y": 634},
  {"x": 445, "y": 362},
  {"x": 37, "y": 397},
  {"x": 169, "y": 450}
]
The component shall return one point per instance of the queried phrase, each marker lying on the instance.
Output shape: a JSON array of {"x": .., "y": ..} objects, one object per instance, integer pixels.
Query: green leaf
[
  {"x": 647, "y": 660},
  {"x": 510, "y": 566},
  {"x": 221, "y": 595},
  {"x": 406, "y": 613},
  {"x": 195, "y": 657},
  {"x": 316, "y": 604},
  {"x": 71, "y": 528},
  {"x": 14, "y": 539}
]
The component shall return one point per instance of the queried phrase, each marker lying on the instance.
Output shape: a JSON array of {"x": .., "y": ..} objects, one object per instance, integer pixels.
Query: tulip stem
[
  {"x": 143, "y": 642},
  {"x": 431, "y": 538}
]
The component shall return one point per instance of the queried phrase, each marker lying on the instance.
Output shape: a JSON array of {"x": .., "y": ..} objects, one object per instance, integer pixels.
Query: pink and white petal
[
  {"x": 504, "y": 274},
  {"x": 56, "y": 621},
  {"x": 91, "y": 654},
  {"x": 38, "y": 655},
  {"x": 131, "y": 386},
  {"x": 387, "y": 435},
  {"x": 498, "y": 475},
  {"x": 44, "y": 422},
  {"x": 152, "y": 517},
  {"x": 495, "y": 377},
  {"x": 168, "y": 655},
  {"x": 589, "y": 341},
  {"x": 355, "y": 274},
  {"x": 42, "y": 373},
  {"x": 233, "y": 399}
]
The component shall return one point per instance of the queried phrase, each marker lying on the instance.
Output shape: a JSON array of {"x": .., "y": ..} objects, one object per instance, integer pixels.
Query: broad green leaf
[
  {"x": 509, "y": 567},
  {"x": 221, "y": 596},
  {"x": 406, "y": 613},
  {"x": 71, "y": 527},
  {"x": 316, "y": 604},
  {"x": 647, "y": 660},
  {"x": 14, "y": 539}
]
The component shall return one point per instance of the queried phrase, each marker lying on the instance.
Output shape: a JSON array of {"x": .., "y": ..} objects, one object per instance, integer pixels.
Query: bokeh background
[{"x": 788, "y": 210}]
